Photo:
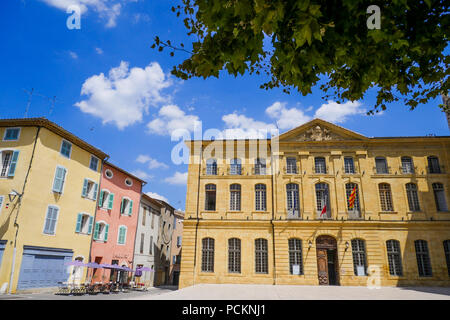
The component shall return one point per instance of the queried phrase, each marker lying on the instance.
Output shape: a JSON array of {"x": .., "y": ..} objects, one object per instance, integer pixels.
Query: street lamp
[{"x": 13, "y": 194}]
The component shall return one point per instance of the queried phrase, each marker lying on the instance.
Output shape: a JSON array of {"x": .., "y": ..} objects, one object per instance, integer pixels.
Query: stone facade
[
  {"x": 372, "y": 223},
  {"x": 163, "y": 244},
  {"x": 175, "y": 250}
]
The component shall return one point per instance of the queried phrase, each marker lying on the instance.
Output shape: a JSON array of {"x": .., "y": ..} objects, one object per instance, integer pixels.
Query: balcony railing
[
  {"x": 379, "y": 170},
  {"x": 407, "y": 170},
  {"x": 259, "y": 170},
  {"x": 347, "y": 170},
  {"x": 293, "y": 214},
  {"x": 321, "y": 170},
  {"x": 291, "y": 170},
  {"x": 355, "y": 215},
  {"x": 325, "y": 216},
  {"x": 435, "y": 169}
]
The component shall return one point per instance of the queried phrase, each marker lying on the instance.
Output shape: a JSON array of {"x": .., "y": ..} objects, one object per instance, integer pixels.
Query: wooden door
[{"x": 322, "y": 266}]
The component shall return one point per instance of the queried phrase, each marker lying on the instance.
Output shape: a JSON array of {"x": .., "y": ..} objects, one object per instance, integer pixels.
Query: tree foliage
[{"x": 295, "y": 42}]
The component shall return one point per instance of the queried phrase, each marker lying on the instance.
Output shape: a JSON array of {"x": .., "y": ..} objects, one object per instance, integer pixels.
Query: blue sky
[{"x": 130, "y": 110}]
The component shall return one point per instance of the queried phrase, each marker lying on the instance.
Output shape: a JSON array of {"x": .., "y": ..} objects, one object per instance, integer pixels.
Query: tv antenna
[
  {"x": 29, "y": 100},
  {"x": 51, "y": 100}
]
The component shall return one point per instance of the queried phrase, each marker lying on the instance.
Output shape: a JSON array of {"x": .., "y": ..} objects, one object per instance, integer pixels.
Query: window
[
  {"x": 407, "y": 165},
  {"x": 11, "y": 134},
  {"x": 121, "y": 239},
  {"x": 260, "y": 197},
  {"x": 295, "y": 256},
  {"x": 359, "y": 257},
  {"x": 101, "y": 231},
  {"x": 58, "y": 182},
  {"x": 260, "y": 166},
  {"x": 320, "y": 165},
  {"x": 235, "y": 197},
  {"x": 126, "y": 206},
  {"x": 349, "y": 166},
  {"x": 291, "y": 165},
  {"x": 150, "y": 250},
  {"x": 94, "y": 163},
  {"x": 352, "y": 188},
  {"x": 50, "y": 220},
  {"x": 211, "y": 167},
  {"x": 433, "y": 165},
  {"x": 8, "y": 163},
  {"x": 447, "y": 254},
  {"x": 439, "y": 197},
  {"x": 234, "y": 255},
  {"x": 423, "y": 258},
  {"x": 381, "y": 165},
  {"x": 89, "y": 189},
  {"x": 144, "y": 214},
  {"x": 66, "y": 148},
  {"x": 128, "y": 182},
  {"x": 385, "y": 197},
  {"x": 208, "y": 255},
  {"x": 109, "y": 174},
  {"x": 323, "y": 201},
  {"x": 210, "y": 197},
  {"x": 141, "y": 248},
  {"x": 292, "y": 197},
  {"x": 261, "y": 257},
  {"x": 235, "y": 166},
  {"x": 106, "y": 200},
  {"x": 179, "y": 241},
  {"x": 413, "y": 198},
  {"x": 394, "y": 257},
  {"x": 84, "y": 223}
]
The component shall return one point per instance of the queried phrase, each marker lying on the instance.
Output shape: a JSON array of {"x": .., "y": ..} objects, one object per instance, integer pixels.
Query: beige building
[
  {"x": 175, "y": 250},
  {"x": 285, "y": 215}
]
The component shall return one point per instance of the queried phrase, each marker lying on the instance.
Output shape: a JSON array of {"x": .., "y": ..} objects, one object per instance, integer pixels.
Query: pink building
[{"x": 115, "y": 222}]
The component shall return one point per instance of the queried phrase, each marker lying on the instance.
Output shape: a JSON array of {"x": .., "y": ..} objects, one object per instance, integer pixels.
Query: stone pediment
[{"x": 319, "y": 130}]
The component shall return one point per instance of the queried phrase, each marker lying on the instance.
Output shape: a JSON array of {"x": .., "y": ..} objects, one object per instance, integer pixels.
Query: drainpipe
[{"x": 17, "y": 214}]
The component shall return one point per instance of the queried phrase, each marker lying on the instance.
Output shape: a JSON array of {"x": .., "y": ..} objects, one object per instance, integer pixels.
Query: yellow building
[
  {"x": 284, "y": 215},
  {"x": 48, "y": 189}
]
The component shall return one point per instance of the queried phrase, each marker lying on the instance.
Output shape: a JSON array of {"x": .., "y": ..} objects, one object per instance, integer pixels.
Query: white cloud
[
  {"x": 107, "y": 10},
  {"x": 137, "y": 17},
  {"x": 73, "y": 55},
  {"x": 179, "y": 178},
  {"x": 242, "y": 127},
  {"x": 99, "y": 50},
  {"x": 338, "y": 113},
  {"x": 287, "y": 118},
  {"x": 154, "y": 195},
  {"x": 125, "y": 94},
  {"x": 142, "y": 175},
  {"x": 152, "y": 163},
  {"x": 171, "y": 117}
]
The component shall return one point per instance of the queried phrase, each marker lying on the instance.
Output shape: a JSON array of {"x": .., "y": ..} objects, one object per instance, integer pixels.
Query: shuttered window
[
  {"x": 93, "y": 164},
  {"x": 90, "y": 189},
  {"x": 84, "y": 223},
  {"x": 11, "y": 134},
  {"x": 66, "y": 148},
  {"x": 58, "y": 182},
  {"x": 423, "y": 258},
  {"x": 359, "y": 257},
  {"x": 394, "y": 257},
  {"x": 101, "y": 231},
  {"x": 126, "y": 206},
  {"x": 260, "y": 197},
  {"x": 50, "y": 220},
  {"x": 261, "y": 256},
  {"x": 8, "y": 163},
  {"x": 295, "y": 256},
  {"x": 207, "y": 255},
  {"x": 234, "y": 255}
]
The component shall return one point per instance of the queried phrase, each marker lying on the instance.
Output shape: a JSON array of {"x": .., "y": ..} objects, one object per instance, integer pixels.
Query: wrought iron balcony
[{"x": 380, "y": 170}]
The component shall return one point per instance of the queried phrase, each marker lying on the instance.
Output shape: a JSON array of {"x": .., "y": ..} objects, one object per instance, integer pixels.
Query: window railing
[
  {"x": 435, "y": 169},
  {"x": 290, "y": 170},
  {"x": 349, "y": 170},
  {"x": 321, "y": 170},
  {"x": 407, "y": 170},
  {"x": 380, "y": 170},
  {"x": 355, "y": 215},
  {"x": 293, "y": 214},
  {"x": 325, "y": 216},
  {"x": 235, "y": 170},
  {"x": 258, "y": 170}
]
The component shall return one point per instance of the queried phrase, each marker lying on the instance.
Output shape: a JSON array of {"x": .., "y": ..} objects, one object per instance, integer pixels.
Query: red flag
[{"x": 324, "y": 210}]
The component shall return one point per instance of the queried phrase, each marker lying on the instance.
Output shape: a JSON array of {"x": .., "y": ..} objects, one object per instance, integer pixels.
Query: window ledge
[
  {"x": 235, "y": 212},
  {"x": 388, "y": 212}
]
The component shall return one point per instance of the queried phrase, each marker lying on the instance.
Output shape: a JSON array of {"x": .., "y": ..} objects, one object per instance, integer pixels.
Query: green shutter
[
  {"x": 111, "y": 201},
  {"x": 122, "y": 235},
  {"x": 79, "y": 218},
  {"x": 121, "y": 206},
  {"x": 91, "y": 221},
  {"x": 131, "y": 208},
  {"x": 97, "y": 227},
  {"x": 100, "y": 201},
  {"x": 95, "y": 191},
  {"x": 85, "y": 185},
  {"x": 12, "y": 166},
  {"x": 106, "y": 232}
]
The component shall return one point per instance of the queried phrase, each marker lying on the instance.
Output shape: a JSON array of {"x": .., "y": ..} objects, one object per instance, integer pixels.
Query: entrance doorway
[{"x": 327, "y": 262}]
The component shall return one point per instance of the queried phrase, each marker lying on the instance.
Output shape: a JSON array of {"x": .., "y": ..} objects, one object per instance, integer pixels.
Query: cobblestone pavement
[{"x": 287, "y": 292}]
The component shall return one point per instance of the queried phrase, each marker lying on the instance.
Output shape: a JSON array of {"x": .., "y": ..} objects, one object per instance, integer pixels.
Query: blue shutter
[
  {"x": 97, "y": 227},
  {"x": 12, "y": 166},
  {"x": 111, "y": 200},
  {"x": 121, "y": 206},
  {"x": 79, "y": 219},
  {"x": 59, "y": 179},
  {"x": 85, "y": 185},
  {"x": 91, "y": 221},
  {"x": 95, "y": 191},
  {"x": 131, "y": 208},
  {"x": 106, "y": 232}
]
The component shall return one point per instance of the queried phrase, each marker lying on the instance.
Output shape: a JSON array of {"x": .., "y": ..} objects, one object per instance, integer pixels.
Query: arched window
[
  {"x": 423, "y": 258},
  {"x": 211, "y": 167},
  {"x": 447, "y": 254},
  {"x": 234, "y": 255},
  {"x": 359, "y": 257},
  {"x": 260, "y": 166},
  {"x": 352, "y": 192},
  {"x": 295, "y": 256},
  {"x": 261, "y": 256},
  {"x": 210, "y": 197},
  {"x": 439, "y": 197},
  {"x": 235, "y": 166},
  {"x": 208, "y": 255},
  {"x": 322, "y": 201},
  {"x": 407, "y": 165},
  {"x": 413, "y": 197},
  {"x": 235, "y": 197},
  {"x": 260, "y": 197},
  {"x": 320, "y": 165},
  {"x": 394, "y": 257},
  {"x": 433, "y": 165},
  {"x": 385, "y": 197},
  {"x": 292, "y": 197},
  {"x": 381, "y": 165}
]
